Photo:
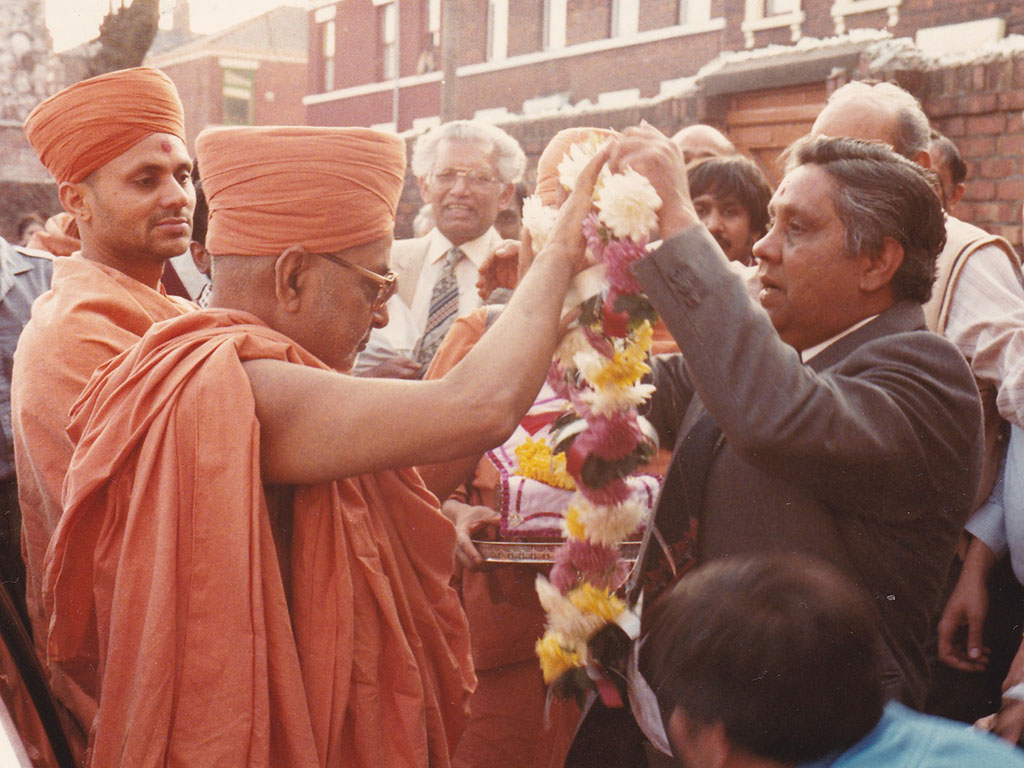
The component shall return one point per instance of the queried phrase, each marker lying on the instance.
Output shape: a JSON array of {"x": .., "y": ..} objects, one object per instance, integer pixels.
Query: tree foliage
[{"x": 125, "y": 36}]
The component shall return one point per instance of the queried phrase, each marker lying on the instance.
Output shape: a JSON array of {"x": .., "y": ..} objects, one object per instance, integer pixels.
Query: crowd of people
[{"x": 243, "y": 518}]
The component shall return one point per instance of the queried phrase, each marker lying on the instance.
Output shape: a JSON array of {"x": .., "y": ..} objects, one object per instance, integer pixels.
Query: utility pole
[{"x": 450, "y": 59}]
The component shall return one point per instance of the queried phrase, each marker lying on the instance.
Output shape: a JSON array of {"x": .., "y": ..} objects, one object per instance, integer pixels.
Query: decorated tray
[{"x": 537, "y": 552}]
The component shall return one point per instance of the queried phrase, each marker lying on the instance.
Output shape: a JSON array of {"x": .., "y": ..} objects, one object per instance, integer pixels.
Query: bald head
[
  {"x": 877, "y": 112},
  {"x": 701, "y": 141}
]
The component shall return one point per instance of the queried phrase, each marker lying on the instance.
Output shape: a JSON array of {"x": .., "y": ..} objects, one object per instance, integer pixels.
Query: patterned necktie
[{"x": 444, "y": 306}]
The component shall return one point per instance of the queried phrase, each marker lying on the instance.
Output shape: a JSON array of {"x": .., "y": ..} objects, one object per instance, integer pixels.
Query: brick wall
[{"x": 979, "y": 106}]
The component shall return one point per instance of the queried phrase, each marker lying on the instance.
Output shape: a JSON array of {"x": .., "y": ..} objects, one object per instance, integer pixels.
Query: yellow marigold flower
[
  {"x": 643, "y": 336},
  {"x": 573, "y": 526},
  {"x": 599, "y": 602},
  {"x": 537, "y": 463},
  {"x": 555, "y": 660}
]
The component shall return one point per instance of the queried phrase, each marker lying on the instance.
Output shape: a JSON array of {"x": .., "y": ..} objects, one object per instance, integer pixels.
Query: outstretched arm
[{"x": 318, "y": 425}]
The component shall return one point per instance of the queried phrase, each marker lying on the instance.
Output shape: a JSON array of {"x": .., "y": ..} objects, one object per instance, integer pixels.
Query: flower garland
[{"x": 598, "y": 368}]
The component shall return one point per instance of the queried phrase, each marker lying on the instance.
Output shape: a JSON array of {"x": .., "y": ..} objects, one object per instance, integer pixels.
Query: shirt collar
[
  {"x": 810, "y": 352},
  {"x": 476, "y": 250}
]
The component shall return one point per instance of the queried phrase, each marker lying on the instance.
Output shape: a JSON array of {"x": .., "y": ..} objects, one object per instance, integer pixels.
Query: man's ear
[
  {"x": 700, "y": 745},
  {"x": 956, "y": 193},
  {"x": 506, "y": 195},
  {"x": 200, "y": 257},
  {"x": 291, "y": 276},
  {"x": 424, "y": 187},
  {"x": 881, "y": 266},
  {"x": 73, "y": 197},
  {"x": 923, "y": 158}
]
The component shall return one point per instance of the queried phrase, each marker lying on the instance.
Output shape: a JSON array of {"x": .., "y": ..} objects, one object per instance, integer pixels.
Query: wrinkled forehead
[
  {"x": 466, "y": 153},
  {"x": 807, "y": 188}
]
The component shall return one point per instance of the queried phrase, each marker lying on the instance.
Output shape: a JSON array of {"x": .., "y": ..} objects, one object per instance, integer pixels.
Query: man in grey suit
[
  {"x": 827, "y": 420},
  {"x": 832, "y": 422}
]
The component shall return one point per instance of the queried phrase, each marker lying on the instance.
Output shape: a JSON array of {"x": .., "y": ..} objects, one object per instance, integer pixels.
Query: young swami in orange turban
[
  {"x": 326, "y": 189},
  {"x": 88, "y": 124}
]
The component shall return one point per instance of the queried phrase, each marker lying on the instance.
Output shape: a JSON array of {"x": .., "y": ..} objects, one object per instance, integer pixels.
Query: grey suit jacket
[{"x": 868, "y": 456}]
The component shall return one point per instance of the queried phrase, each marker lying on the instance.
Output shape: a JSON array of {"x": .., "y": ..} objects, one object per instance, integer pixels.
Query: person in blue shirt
[{"x": 771, "y": 662}]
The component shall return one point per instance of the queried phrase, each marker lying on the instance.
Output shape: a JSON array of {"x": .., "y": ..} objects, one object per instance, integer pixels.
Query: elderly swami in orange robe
[{"x": 251, "y": 580}]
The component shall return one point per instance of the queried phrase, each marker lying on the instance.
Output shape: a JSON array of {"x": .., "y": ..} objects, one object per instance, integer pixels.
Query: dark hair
[
  {"x": 881, "y": 194},
  {"x": 781, "y": 650},
  {"x": 27, "y": 221},
  {"x": 733, "y": 176},
  {"x": 951, "y": 157},
  {"x": 202, "y": 212}
]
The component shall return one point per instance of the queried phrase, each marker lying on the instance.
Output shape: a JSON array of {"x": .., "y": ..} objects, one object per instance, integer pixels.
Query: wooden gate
[{"x": 763, "y": 123}]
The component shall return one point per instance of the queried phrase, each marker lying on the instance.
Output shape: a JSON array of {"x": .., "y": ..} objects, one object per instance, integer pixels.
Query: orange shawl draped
[
  {"x": 90, "y": 314},
  {"x": 164, "y": 576}
]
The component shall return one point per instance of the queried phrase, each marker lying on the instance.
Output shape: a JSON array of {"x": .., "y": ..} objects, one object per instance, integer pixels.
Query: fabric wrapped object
[{"x": 88, "y": 124}]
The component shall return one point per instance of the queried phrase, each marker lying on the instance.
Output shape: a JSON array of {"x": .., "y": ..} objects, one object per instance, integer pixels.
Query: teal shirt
[{"x": 904, "y": 738}]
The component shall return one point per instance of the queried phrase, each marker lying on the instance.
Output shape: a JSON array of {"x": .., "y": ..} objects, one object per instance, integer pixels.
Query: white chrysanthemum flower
[
  {"x": 564, "y": 618},
  {"x": 576, "y": 158},
  {"x": 608, "y": 525},
  {"x": 590, "y": 363},
  {"x": 539, "y": 220},
  {"x": 608, "y": 400},
  {"x": 628, "y": 204},
  {"x": 571, "y": 345}
]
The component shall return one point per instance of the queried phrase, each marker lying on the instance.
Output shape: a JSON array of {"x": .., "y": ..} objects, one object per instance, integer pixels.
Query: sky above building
[{"x": 72, "y": 22}]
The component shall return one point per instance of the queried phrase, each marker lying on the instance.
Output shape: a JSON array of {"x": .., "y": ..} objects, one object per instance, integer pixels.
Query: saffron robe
[
  {"x": 324, "y": 633},
  {"x": 90, "y": 314}
]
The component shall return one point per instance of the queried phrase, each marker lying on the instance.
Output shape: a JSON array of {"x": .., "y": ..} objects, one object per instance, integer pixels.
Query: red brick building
[
  {"x": 527, "y": 56},
  {"x": 253, "y": 73},
  {"x": 758, "y": 69}
]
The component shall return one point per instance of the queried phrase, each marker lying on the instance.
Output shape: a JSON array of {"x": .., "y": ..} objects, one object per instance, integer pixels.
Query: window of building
[
  {"x": 328, "y": 36},
  {"x": 497, "y": 30},
  {"x": 772, "y": 14},
  {"x": 625, "y": 18},
  {"x": 388, "y": 41},
  {"x": 843, "y": 8},
  {"x": 237, "y": 90},
  {"x": 694, "y": 11},
  {"x": 434, "y": 21},
  {"x": 554, "y": 24}
]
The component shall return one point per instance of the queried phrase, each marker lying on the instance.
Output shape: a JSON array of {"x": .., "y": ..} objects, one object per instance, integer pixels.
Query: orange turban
[
  {"x": 87, "y": 125},
  {"x": 326, "y": 189},
  {"x": 547, "y": 165}
]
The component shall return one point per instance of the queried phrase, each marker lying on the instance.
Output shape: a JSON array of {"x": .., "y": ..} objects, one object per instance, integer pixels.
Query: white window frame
[
  {"x": 625, "y": 18},
  {"x": 497, "y": 30},
  {"x": 693, "y": 12},
  {"x": 843, "y": 8},
  {"x": 328, "y": 41},
  {"x": 554, "y": 24},
  {"x": 755, "y": 20},
  {"x": 434, "y": 20},
  {"x": 389, "y": 40}
]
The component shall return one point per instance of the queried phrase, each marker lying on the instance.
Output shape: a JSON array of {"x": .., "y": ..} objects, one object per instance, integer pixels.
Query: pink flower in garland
[
  {"x": 618, "y": 257},
  {"x": 611, "y": 493},
  {"x": 556, "y": 379},
  {"x": 596, "y": 564},
  {"x": 596, "y": 235},
  {"x": 610, "y": 437}
]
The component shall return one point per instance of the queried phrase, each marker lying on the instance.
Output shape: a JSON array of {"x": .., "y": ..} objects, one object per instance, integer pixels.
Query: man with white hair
[{"x": 466, "y": 172}]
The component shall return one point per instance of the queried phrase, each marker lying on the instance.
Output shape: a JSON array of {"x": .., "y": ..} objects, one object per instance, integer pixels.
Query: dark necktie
[
  {"x": 669, "y": 548},
  {"x": 444, "y": 306}
]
